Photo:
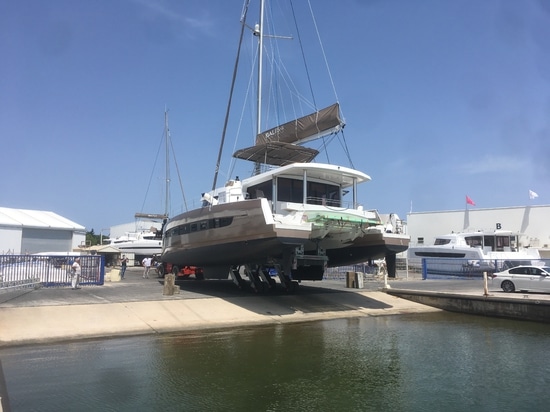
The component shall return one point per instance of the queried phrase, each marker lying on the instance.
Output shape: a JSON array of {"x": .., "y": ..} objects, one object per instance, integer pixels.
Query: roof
[
  {"x": 277, "y": 153},
  {"x": 36, "y": 219}
]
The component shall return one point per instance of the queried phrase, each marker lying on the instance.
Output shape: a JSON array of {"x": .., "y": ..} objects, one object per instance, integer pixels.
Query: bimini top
[
  {"x": 277, "y": 154},
  {"x": 280, "y": 146}
]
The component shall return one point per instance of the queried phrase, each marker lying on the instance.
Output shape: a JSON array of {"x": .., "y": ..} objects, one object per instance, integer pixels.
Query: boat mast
[
  {"x": 259, "y": 31},
  {"x": 167, "y": 143}
]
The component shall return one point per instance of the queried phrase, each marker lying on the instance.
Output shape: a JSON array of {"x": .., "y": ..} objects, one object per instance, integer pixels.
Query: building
[
  {"x": 33, "y": 231},
  {"x": 532, "y": 222}
]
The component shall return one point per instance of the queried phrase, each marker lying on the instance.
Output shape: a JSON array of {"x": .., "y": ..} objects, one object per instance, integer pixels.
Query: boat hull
[
  {"x": 140, "y": 248},
  {"x": 246, "y": 233},
  {"x": 221, "y": 236},
  {"x": 371, "y": 246}
]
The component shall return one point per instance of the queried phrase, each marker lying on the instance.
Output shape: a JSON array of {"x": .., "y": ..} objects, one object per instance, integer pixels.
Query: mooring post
[{"x": 169, "y": 284}]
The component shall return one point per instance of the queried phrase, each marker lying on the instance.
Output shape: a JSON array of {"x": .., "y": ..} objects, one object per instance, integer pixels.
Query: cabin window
[
  {"x": 474, "y": 241},
  {"x": 503, "y": 242},
  {"x": 264, "y": 190},
  {"x": 439, "y": 242},
  {"x": 289, "y": 190},
  {"x": 489, "y": 241},
  {"x": 420, "y": 241}
]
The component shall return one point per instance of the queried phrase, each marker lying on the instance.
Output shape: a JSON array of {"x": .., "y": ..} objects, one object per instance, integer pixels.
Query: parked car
[
  {"x": 532, "y": 278},
  {"x": 184, "y": 272}
]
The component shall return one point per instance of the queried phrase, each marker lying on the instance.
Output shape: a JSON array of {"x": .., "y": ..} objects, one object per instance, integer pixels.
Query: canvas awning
[{"x": 277, "y": 154}]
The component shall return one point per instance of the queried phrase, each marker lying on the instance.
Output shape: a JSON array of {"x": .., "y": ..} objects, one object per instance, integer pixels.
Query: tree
[{"x": 92, "y": 239}]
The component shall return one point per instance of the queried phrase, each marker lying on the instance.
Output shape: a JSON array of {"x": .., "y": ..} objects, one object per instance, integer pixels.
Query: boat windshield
[
  {"x": 292, "y": 190},
  {"x": 439, "y": 242},
  {"x": 474, "y": 241}
]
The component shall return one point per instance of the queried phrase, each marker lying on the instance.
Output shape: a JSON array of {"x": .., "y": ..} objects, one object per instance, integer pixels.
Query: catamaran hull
[
  {"x": 371, "y": 246},
  {"x": 221, "y": 236},
  {"x": 225, "y": 235}
]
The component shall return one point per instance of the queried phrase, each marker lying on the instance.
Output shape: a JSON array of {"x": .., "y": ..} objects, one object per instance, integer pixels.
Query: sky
[{"x": 442, "y": 100}]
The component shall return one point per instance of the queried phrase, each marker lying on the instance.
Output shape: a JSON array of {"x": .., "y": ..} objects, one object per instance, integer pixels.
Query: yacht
[{"x": 471, "y": 252}]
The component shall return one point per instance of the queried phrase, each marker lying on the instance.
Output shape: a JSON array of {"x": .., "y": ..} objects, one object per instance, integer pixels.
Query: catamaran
[{"x": 293, "y": 217}]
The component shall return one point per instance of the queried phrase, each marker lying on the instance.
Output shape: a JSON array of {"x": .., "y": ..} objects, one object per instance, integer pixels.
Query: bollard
[
  {"x": 114, "y": 275},
  {"x": 359, "y": 280},
  {"x": 169, "y": 284},
  {"x": 350, "y": 279}
]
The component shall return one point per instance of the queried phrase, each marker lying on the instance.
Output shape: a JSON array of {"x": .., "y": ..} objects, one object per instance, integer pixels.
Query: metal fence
[
  {"x": 340, "y": 273},
  {"x": 441, "y": 268},
  {"x": 32, "y": 271}
]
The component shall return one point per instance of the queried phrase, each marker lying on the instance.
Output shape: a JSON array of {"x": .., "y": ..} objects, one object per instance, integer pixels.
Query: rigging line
[
  {"x": 346, "y": 149},
  {"x": 232, "y": 164},
  {"x": 302, "y": 50},
  {"x": 179, "y": 175},
  {"x": 323, "y": 51},
  {"x": 233, "y": 81},
  {"x": 153, "y": 171}
]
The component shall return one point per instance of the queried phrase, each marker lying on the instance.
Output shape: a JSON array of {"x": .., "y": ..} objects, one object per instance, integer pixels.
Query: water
[{"x": 436, "y": 362}]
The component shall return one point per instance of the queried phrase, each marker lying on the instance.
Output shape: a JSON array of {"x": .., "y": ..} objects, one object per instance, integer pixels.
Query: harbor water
[{"x": 436, "y": 361}]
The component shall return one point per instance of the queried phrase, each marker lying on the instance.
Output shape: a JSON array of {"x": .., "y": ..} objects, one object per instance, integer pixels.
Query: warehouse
[{"x": 25, "y": 231}]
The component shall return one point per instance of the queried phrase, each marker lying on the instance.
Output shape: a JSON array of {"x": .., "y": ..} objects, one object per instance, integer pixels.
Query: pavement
[{"x": 136, "y": 306}]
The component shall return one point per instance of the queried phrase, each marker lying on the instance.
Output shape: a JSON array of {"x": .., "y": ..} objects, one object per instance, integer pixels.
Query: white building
[
  {"x": 533, "y": 222},
  {"x": 33, "y": 231}
]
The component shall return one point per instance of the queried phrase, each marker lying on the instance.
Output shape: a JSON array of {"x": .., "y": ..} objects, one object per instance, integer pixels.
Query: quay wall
[{"x": 525, "y": 308}]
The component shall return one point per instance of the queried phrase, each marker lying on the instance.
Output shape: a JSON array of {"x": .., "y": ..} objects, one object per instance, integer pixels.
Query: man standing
[
  {"x": 123, "y": 264},
  {"x": 75, "y": 273},
  {"x": 146, "y": 262}
]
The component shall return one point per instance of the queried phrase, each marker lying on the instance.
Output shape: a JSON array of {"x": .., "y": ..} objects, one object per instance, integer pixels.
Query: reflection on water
[{"x": 436, "y": 361}]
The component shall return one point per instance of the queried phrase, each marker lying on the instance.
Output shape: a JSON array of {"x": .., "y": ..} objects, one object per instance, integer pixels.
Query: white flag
[{"x": 532, "y": 195}]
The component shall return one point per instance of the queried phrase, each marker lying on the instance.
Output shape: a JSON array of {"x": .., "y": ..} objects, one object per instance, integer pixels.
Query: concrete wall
[
  {"x": 522, "y": 309},
  {"x": 533, "y": 221}
]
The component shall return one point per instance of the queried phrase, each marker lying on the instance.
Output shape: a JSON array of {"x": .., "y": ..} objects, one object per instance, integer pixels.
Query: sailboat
[
  {"x": 147, "y": 241},
  {"x": 290, "y": 218}
]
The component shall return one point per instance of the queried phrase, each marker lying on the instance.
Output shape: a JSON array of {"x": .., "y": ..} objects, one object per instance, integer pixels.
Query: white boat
[
  {"x": 292, "y": 218},
  {"x": 141, "y": 243},
  {"x": 472, "y": 252}
]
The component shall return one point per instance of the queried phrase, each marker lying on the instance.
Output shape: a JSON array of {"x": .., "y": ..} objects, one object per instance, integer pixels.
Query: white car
[{"x": 532, "y": 278}]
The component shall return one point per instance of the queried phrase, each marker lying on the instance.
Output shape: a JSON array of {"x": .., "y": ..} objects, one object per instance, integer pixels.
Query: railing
[
  {"x": 25, "y": 271},
  {"x": 340, "y": 273},
  {"x": 438, "y": 268}
]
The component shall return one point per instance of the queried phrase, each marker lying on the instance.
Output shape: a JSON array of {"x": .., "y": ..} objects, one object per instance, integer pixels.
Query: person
[
  {"x": 146, "y": 262},
  {"x": 123, "y": 264},
  {"x": 75, "y": 273}
]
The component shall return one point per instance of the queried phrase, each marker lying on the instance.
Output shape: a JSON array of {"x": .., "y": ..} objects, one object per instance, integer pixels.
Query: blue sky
[{"x": 442, "y": 99}]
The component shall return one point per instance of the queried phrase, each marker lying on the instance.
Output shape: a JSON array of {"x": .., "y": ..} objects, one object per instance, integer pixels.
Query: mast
[
  {"x": 259, "y": 31},
  {"x": 167, "y": 176}
]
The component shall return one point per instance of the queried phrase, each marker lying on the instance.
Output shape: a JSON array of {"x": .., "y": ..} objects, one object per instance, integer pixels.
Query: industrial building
[{"x": 25, "y": 231}]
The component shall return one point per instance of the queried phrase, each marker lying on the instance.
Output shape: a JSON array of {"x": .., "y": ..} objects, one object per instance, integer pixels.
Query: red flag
[{"x": 469, "y": 201}]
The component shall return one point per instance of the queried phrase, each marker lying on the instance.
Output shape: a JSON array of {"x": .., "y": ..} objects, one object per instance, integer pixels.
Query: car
[{"x": 524, "y": 278}]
